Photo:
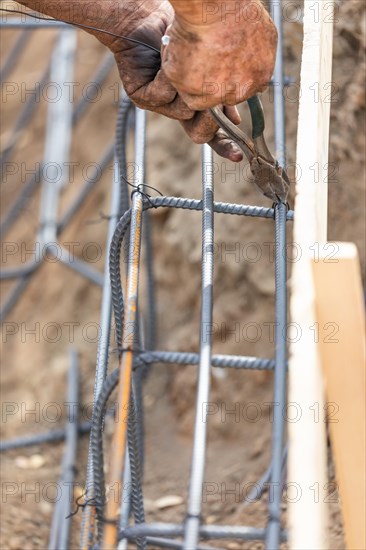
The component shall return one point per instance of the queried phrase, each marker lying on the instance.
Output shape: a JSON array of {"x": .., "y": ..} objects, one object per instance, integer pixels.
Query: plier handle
[{"x": 269, "y": 176}]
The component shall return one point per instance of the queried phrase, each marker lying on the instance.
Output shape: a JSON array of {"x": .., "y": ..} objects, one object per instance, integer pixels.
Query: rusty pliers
[{"x": 269, "y": 176}]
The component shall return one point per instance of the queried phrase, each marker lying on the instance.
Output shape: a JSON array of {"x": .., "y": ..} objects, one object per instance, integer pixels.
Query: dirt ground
[{"x": 60, "y": 308}]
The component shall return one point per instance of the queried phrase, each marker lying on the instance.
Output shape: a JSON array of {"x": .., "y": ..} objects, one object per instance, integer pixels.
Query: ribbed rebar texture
[
  {"x": 273, "y": 535},
  {"x": 191, "y": 532},
  {"x": 103, "y": 351}
]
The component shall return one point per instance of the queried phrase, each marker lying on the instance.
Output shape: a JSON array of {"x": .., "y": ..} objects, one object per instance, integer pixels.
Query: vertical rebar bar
[
  {"x": 58, "y": 140},
  {"x": 103, "y": 348},
  {"x": 61, "y": 522},
  {"x": 200, "y": 431},
  {"x": 12, "y": 57},
  {"x": 71, "y": 446},
  {"x": 130, "y": 340},
  {"x": 273, "y": 536},
  {"x": 123, "y": 399},
  {"x": 126, "y": 504},
  {"x": 278, "y": 87}
]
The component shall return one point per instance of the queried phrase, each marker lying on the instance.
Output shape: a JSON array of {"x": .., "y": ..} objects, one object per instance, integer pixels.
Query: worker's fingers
[
  {"x": 210, "y": 99},
  {"x": 226, "y": 147},
  {"x": 158, "y": 95},
  {"x": 149, "y": 87},
  {"x": 232, "y": 113},
  {"x": 203, "y": 129}
]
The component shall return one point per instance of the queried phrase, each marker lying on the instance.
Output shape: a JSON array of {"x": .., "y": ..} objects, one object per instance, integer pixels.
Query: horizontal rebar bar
[
  {"x": 171, "y": 543},
  {"x": 206, "y": 531},
  {"x": 219, "y": 207},
  {"x": 188, "y": 358},
  {"x": 39, "y": 439},
  {"x": 17, "y": 23}
]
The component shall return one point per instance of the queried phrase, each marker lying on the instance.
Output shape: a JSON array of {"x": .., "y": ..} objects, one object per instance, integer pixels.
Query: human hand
[
  {"x": 147, "y": 84},
  {"x": 222, "y": 52}
]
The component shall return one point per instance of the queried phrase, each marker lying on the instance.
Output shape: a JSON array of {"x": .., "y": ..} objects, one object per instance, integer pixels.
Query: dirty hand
[
  {"x": 147, "y": 84},
  {"x": 219, "y": 51}
]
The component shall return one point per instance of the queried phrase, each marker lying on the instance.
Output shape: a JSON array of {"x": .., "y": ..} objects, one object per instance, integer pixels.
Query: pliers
[{"x": 269, "y": 176}]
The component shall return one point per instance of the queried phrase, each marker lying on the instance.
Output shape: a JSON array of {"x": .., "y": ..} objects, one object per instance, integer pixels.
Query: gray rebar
[
  {"x": 134, "y": 429},
  {"x": 126, "y": 505},
  {"x": 39, "y": 439},
  {"x": 60, "y": 527},
  {"x": 71, "y": 448},
  {"x": 126, "y": 107},
  {"x": 58, "y": 253},
  {"x": 261, "y": 485},
  {"x": 205, "y": 531},
  {"x": 192, "y": 526},
  {"x": 189, "y": 358},
  {"x": 24, "y": 118},
  {"x": 87, "y": 187},
  {"x": 15, "y": 52},
  {"x": 103, "y": 351},
  {"x": 100, "y": 75},
  {"x": 192, "y": 530},
  {"x": 278, "y": 92},
  {"x": 165, "y": 202},
  {"x": 36, "y": 178},
  {"x": 110, "y": 384},
  {"x": 169, "y": 543},
  {"x": 22, "y": 283},
  {"x": 18, "y": 23},
  {"x": 12, "y": 298},
  {"x": 22, "y": 198},
  {"x": 151, "y": 317},
  {"x": 125, "y": 110},
  {"x": 278, "y": 432},
  {"x": 119, "y": 186},
  {"x": 134, "y": 453}
]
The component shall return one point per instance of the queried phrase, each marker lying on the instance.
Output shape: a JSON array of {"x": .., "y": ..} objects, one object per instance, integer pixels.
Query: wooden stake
[
  {"x": 307, "y": 515},
  {"x": 341, "y": 322}
]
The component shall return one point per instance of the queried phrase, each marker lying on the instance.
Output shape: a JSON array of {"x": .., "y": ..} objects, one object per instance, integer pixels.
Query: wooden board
[
  {"x": 341, "y": 320},
  {"x": 307, "y": 512}
]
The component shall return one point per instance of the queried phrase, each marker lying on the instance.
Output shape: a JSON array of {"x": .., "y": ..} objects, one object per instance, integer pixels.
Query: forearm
[{"x": 115, "y": 16}]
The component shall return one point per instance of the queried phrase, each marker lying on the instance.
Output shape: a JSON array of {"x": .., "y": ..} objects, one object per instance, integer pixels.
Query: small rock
[
  {"x": 211, "y": 519},
  {"x": 30, "y": 463},
  {"x": 45, "y": 507},
  {"x": 168, "y": 502}
]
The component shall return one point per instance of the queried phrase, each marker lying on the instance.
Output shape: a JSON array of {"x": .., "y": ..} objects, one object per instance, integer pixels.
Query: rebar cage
[{"x": 137, "y": 354}]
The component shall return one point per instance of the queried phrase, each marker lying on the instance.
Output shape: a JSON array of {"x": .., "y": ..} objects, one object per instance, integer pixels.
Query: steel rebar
[
  {"x": 129, "y": 338},
  {"x": 192, "y": 526},
  {"x": 278, "y": 431},
  {"x": 60, "y": 527},
  {"x": 102, "y": 356}
]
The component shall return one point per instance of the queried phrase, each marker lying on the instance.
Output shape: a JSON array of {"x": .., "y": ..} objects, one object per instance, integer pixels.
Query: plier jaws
[{"x": 269, "y": 176}]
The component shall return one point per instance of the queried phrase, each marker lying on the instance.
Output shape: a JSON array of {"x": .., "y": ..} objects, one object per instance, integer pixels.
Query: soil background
[{"x": 62, "y": 309}]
